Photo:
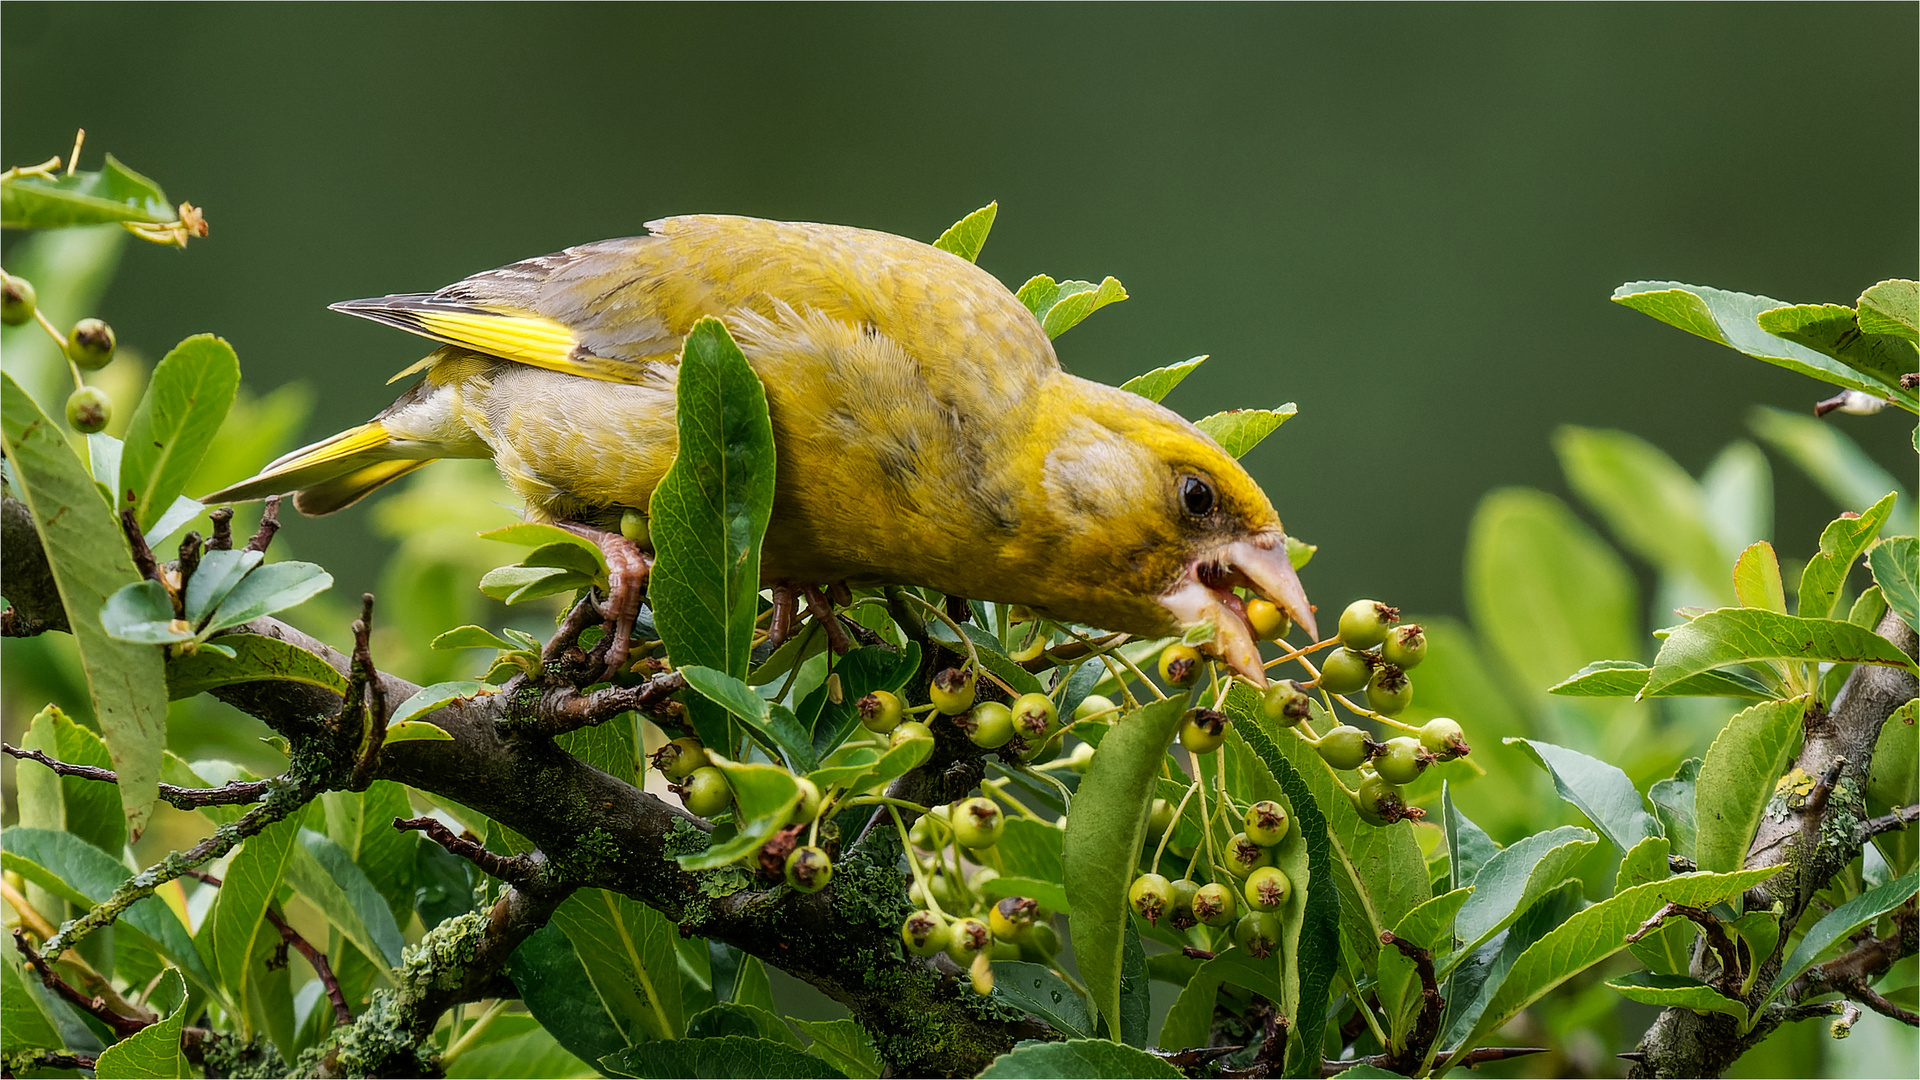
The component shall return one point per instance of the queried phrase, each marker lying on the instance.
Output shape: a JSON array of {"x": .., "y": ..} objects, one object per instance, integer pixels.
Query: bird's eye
[{"x": 1196, "y": 496}]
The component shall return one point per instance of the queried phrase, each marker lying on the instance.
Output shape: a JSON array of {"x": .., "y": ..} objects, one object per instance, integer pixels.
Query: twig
[
  {"x": 1427, "y": 1027},
  {"x": 1898, "y": 819},
  {"x": 238, "y": 793},
  {"x": 190, "y": 552},
  {"x": 269, "y": 524},
  {"x": 1868, "y": 996},
  {"x": 579, "y": 617},
  {"x": 222, "y": 529},
  {"x": 1730, "y": 972},
  {"x": 373, "y": 713},
  {"x": 143, "y": 559},
  {"x": 96, "y": 1007},
  {"x": 56, "y": 1060},
  {"x": 564, "y": 709},
  {"x": 524, "y": 870},
  {"x": 1479, "y": 1056},
  {"x": 316, "y": 960}
]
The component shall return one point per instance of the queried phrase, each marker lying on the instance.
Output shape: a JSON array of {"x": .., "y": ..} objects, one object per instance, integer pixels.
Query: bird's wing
[{"x": 612, "y": 310}]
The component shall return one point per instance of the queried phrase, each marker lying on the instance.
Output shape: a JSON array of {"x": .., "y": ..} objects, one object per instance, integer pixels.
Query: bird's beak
[{"x": 1203, "y": 594}]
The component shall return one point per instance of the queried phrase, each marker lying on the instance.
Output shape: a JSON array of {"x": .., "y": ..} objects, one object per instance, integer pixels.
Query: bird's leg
[
  {"x": 785, "y": 606},
  {"x": 822, "y": 612},
  {"x": 627, "y": 570}
]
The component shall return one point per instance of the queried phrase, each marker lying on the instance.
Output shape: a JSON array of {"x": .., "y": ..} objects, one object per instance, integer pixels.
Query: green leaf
[
  {"x": 774, "y": 723},
  {"x": 1429, "y": 926},
  {"x": 590, "y": 564},
  {"x": 1732, "y": 319},
  {"x": 1896, "y": 566},
  {"x": 515, "y": 1045},
  {"x": 267, "y": 589},
  {"x": 113, "y": 194},
  {"x": 322, "y": 872},
  {"x": 1049, "y": 894},
  {"x": 1891, "y": 307},
  {"x": 1105, "y": 829},
  {"x": 1515, "y": 879},
  {"x": 1597, "y": 789},
  {"x": 1673, "y": 803},
  {"x": 1468, "y": 845},
  {"x": 1894, "y": 782},
  {"x": 218, "y": 573},
  {"x": 539, "y": 534},
  {"x": 1833, "y": 462},
  {"x": 237, "y": 926},
  {"x": 1835, "y": 925},
  {"x": 843, "y": 1044},
  {"x": 1649, "y": 501},
  {"x": 429, "y": 698},
  {"x": 727, "y": 1058},
  {"x": 187, "y": 397},
  {"x": 1032, "y": 849},
  {"x": 1833, "y": 330},
  {"x": 1668, "y": 950},
  {"x": 1756, "y": 579},
  {"x": 967, "y": 236},
  {"x": 764, "y": 796},
  {"x": 1085, "y": 1059},
  {"x": 415, "y": 731},
  {"x": 736, "y": 1018},
  {"x": 1596, "y": 933},
  {"x": 1240, "y": 430},
  {"x": 1842, "y": 543},
  {"x": 153, "y": 1051},
  {"x": 471, "y": 637},
  {"x": 559, "y": 993},
  {"x": 88, "y": 809},
  {"x": 24, "y": 1023},
  {"x": 710, "y": 511},
  {"x": 1737, "y": 780},
  {"x": 1035, "y": 989},
  {"x": 361, "y": 823},
  {"x": 1744, "y": 635},
  {"x": 1478, "y": 978},
  {"x": 1624, "y": 678},
  {"x": 256, "y": 658},
  {"x": 516, "y": 584},
  {"x": 1677, "y": 992},
  {"x": 628, "y": 951},
  {"x": 142, "y": 613},
  {"x": 88, "y": 556},
  {"x": 1155, "y": 385},
  {"x": 862, "y": 671},
  {"x": 1061, "y": 305}
]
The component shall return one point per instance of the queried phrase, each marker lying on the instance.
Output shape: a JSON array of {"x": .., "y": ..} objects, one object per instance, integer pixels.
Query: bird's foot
[
  {"x": 786, "y": 605},
  {"x": 627, "y": 570},
  {"x": 822, "y": 611}
]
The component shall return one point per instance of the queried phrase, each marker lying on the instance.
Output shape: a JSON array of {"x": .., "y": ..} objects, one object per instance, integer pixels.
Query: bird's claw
[{"x": 627, "y": 570}]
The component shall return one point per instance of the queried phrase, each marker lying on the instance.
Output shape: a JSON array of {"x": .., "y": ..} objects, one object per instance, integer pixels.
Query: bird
[{"x": 925, "y": 431}]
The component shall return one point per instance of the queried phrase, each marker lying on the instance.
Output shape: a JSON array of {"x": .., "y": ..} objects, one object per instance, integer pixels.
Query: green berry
[
  {"x": 1214, "y": 904},
  {"x": 1082, "y": 758},
  {"x": 633, "y": 526},
  {"x": 1181, "y": 904},
  {"x": 989, "y": 725},
  {"x": 1258, "y": 933},
  {"x": 1266, "y": 823},
  {"x": 1269, "y": 622},
  {"x": 1389, "y": 691},
  {"x": 977, "y": 880},
  {"x": 88, "y": 410},
  {"x": 679, "y": 758},
  {"x": 1150, "y": 896},
  {"x": 1034, "y": 715},
  {"x": 1345, "y": 747},
  {"x": 978, "y": 823},
  {"x": 1402, "y": 761},
  {"x": 1365, "y": 623},
  {"x": 952, "y": 691},
  {"x": 705, "y": 791},
  {"x": 909, "y": 731},
  {"x": 1203, "y": 730},
  {"x": 1043, "y": 941},
  {"x": 1380, "y": 802},
  {"x": 809, "y": 869},
  {"x": 1179, "y": 664},
  {"x": 1095, "y": 705},
  {"x": 1405, "y": 646},
  {"x": 1244, "y": 856},
  {"x": 1032, "y": 751},
  {"x": 1267, "y": 888},
  {"x": 924, "y": 934},
  {"x": 16, "y": 300},
  {"x": 967, "y": 938},
  {"x": 880, "y": 712},
  {"x": 1345, "y": 671},
  {"x": 1159, "y": 818},
  {"x": 1011, "y": 920},
  {"x": 1443, "y": 739},
  {"x": 808, "y": 807},
  {"x": 90, "y": 344},
  {"x": 1285, "y": 703}
]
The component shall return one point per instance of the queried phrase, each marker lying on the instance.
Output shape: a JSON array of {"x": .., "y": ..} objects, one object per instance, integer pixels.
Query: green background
[{"x": 1406, "y": 219}]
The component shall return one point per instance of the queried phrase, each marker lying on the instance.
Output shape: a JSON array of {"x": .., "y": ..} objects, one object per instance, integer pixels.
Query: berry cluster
[{"x": 88, "y": 346}]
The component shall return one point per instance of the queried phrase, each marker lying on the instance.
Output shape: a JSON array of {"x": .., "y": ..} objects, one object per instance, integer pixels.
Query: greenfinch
[{"x": 924, "y": 429}]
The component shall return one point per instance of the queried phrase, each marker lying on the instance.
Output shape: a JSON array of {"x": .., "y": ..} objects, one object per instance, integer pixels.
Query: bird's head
[{"x": 1152, "y": 524}]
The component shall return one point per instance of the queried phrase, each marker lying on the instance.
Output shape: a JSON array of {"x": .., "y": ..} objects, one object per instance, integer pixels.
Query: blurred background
[{"x": 1407, "y": 220}]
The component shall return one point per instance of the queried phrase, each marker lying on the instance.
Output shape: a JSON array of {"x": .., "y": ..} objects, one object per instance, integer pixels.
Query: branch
[
  {"x": 563, "y": 709},
  {"x": 238, "y": 793},
  {"x": 1479, "y": 1056},
  {"x": 1427, "y": 1027},
  {"x": 269, "y": 524},
  {"x": 316, "y": 960},
  {"x": 1885, "y": 823},
  {"x": 513, "y": 869},
  {"x": 1710, "y": 926},
  {"x": 122, "y": 1024}
]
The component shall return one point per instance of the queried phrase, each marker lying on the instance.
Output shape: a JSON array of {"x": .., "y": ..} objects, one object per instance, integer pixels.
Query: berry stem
[
  {"x": 973, "y": 656},
  {"x": 883, "y": 800},
  {"x": 1213, "y": 857},
  {"x": 1302, "y": 651},
  {"x": 913, "y": 863},
  {"x": 1066, "y": 796},
  {"x": 1107, "y": 654},
  {"x": 1357, "y": 710},
  {"x": 997, "y": 789},
  {"x": 1360, "y": 1006},
  {"x": 1172, "y": 825}
]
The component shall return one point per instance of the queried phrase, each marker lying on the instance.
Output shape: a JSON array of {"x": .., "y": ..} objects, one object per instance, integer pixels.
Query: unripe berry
[
  {"x": 633, "y": 526},
  {"x": 808, "y": 807},
  {"x": 1082, "y": 758},
  {"x": 1405, "y": 646},
  {"x": 989, "y": 725},
  {"x": 809, "y": 869},
  {"x": 1244, "y": 856},
  {"x": 1181, "y": 905},
  {"x": 1095, "y": 705},
  {"x": 1159, "y": 818},
  {"x": 880, "y": 712},
  {"x": 967, "y": 938},
  {"x": 90, "y": 344},
  {"x": 705, "y": 792},
  {"x": 1402, "y": 761},
  {"x": 977, "y": 881},
  {"x": 1389, "y": 691},
  {"x": 16, "y": 300},
  {"x": 1269, "y": 622},
  {"x": 1042, "y": 939},
  {"x": 1285, "y": 704},
  {"x": 1380, "y": 802},
  {"x": 1443, "y": 739},
  {"x": 1345, "y": 747},
  {"x": 1203, "y": 730},
  {"x": 1034, "y": 716},
  {"x": 1214, "y": 904},
  {"x": 1266, "y": 823},
  {"x": 1149, "y": 896},
  {"x": 1345, "y": 671},
  {"x": 978, "y": 823},
  {"x": 952, "y": 691},
  {"x": 89, "y": 409},
  {"x": 679, "y": 758},
  {"x": 1179, "y": 664},
  {"x": 1258, "y": 933},
  {"x": 980, "y": 972},
  {"x": 909, "y": 731},
  {"x": 1032, "y": 751},
  {"x": 1011, "y": 920},
  {"x": 1267, "y": 888},
  {"x": 924, "y": 934},
  {"x": 1365, "y": 623}
]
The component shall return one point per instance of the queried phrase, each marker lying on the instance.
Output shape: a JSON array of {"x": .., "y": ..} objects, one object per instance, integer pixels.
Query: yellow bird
[{"x": 925, "y": 431}]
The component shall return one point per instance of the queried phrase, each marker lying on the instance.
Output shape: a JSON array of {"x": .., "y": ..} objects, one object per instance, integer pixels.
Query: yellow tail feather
[
  {"x": 343, "y": 454},
  {"x": 343, "y": 491}
]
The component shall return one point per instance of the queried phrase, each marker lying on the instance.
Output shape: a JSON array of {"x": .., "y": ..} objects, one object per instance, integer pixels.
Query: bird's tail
[{"x": 330, "y": 475}]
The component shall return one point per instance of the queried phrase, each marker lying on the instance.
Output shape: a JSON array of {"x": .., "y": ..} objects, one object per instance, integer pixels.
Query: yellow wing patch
[{"x": 528, "y": 339}]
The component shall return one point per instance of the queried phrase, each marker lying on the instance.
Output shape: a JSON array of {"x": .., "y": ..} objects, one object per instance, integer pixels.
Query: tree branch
[
  {"x": 238, "y": 793},
  {"x": 123, "y": 1024}
]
